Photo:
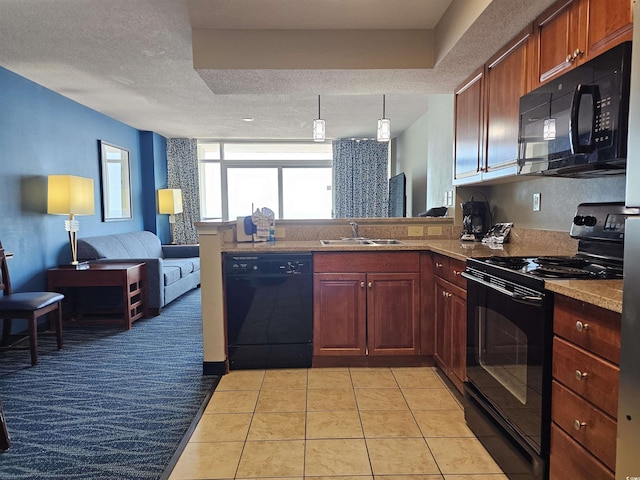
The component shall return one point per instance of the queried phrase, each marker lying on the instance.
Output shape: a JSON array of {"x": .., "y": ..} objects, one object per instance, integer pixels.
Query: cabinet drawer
[
  {"x": 449, "y": 269},
  {"x": 584, "y": 423},
  {"x": 366, "y": 262},
  {"x": 589, "y": 376},
  {"x": 593, "y": 328},
  {"x": 570, "y": 461}
]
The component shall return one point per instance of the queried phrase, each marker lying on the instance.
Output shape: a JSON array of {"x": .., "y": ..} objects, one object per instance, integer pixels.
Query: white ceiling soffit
[{"x": 133, "y": 61}]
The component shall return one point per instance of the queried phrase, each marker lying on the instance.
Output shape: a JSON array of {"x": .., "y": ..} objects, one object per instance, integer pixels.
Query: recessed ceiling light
[{"x": 247, "y": 119}]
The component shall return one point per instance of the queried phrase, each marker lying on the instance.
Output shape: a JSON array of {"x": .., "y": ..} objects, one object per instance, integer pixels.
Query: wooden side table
[{"x": 130, "y": 277}]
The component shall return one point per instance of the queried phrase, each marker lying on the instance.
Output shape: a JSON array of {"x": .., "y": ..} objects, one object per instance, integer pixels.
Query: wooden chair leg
[
  {"x": 6, "y": 331},
  {"x": 58, "y": 321},
  {"x": 5, "y": 441},
  {"x": 33, "y": 339}
]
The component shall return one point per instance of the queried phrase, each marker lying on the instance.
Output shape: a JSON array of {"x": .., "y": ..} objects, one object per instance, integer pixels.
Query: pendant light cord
[
  {"x": 318, "y": 107},
  {"x": 383, "y": 107}
]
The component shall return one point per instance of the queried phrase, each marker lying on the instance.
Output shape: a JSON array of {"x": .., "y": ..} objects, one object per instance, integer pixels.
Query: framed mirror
[{"x": 115, "y": 180}]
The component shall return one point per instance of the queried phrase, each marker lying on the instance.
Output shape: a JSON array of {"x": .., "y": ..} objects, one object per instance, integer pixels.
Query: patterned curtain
[
  {"x": 360, "y": 178},
  {"x": 182, "y": 172}
]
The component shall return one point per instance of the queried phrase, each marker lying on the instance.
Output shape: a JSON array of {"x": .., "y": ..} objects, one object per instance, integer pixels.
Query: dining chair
[{"x": 29, "y": 306}]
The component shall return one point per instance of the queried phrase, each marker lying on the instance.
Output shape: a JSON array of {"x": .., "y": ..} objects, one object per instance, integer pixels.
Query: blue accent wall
[{"x": 43, "y": 133}]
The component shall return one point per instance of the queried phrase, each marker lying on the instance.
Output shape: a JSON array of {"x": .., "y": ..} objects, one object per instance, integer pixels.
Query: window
[{"x": 292, "y": 179}]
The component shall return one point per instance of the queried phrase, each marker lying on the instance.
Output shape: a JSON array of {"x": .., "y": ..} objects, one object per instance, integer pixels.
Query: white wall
[{"x": 424, "y": 152}]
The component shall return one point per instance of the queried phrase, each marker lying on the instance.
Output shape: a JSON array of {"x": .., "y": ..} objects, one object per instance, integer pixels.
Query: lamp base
[{"x": 76, "y": 266}]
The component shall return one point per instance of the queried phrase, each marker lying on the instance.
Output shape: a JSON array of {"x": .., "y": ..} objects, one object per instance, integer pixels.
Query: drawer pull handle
[
  {"x": 457, "y": 272},
  {"x": 578, "y": 425},
  {"x": 361, "y": 284},
  {"x": 581, "y": 375},
  {"x": 581, "y": 327},
  {"x": 370, "y": 285}
]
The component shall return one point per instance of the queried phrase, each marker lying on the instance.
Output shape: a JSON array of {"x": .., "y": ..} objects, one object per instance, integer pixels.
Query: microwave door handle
[{"x": 574, "y": 131}]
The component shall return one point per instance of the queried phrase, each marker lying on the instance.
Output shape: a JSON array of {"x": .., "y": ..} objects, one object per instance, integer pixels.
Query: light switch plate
[{"x": 536, "y": 202}]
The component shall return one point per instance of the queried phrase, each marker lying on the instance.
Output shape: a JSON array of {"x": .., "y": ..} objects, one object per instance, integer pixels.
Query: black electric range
[{"x": 599, "y": 227}]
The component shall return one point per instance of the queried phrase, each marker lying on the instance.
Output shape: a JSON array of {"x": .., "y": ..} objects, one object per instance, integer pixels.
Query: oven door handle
[{"x": 535, "y": 300}]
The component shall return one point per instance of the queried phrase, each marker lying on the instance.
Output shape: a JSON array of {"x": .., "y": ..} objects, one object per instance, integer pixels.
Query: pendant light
[
  {"x": 384, "y": 126},
  {"x": 318, "y": 127}
]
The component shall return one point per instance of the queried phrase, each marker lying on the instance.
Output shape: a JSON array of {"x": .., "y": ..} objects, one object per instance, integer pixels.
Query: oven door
[{"x": 509, "y": 339}]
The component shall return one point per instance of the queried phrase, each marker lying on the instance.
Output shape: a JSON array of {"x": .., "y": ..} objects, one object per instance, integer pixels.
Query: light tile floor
[{"x": 343, "y": 423}]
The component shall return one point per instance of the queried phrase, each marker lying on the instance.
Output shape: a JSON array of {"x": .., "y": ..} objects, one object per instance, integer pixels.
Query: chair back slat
[{"x": 5, "y": 281}]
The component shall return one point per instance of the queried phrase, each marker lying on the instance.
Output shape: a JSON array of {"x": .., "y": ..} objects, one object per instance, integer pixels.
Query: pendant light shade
[
  {"x": 318, "y": 127},
  {"x": 384, "y": 126}
]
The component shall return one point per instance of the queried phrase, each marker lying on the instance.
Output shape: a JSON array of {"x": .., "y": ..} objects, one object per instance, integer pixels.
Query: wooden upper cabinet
[
  {"x": 507, "y": 79},
  {"x": 469, "y": 127},
  {"x": 572, "y": 32},
  {"x": 609, "y": 23},
  {"x": 557, "y": 40}
]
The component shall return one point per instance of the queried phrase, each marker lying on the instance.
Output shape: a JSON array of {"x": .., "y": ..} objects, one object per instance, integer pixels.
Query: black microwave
[{"x": 577, "y": 125}]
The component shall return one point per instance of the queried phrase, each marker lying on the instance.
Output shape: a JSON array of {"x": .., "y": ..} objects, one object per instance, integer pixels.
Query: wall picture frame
[{"x": 115, "y": 182}]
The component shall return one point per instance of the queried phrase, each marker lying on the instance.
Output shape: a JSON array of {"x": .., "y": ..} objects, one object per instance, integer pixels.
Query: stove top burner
[
  {"x": 514, "y": 263},
  {"x": 561, "y": 261},
  {"x": 560, "y": 271}
]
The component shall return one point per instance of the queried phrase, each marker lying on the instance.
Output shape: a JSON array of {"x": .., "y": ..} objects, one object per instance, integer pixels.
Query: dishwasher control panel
[{"x": 268, "y": 264}]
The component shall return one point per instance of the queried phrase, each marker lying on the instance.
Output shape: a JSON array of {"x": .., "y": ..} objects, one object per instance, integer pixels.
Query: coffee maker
[{"x": 475, "y": 220}]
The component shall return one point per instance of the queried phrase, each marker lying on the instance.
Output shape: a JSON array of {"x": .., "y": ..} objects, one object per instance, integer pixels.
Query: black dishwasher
[{"x": 269, "y": 306}]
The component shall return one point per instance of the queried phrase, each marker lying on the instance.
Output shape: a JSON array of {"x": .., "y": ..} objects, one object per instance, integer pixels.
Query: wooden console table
[{"x": 130, "y": 277}]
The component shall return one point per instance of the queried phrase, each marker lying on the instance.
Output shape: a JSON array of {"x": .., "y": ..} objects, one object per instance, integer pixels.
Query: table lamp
[
  {"x": 170, "y": 202},
  {"x": 71, "y": 195}
]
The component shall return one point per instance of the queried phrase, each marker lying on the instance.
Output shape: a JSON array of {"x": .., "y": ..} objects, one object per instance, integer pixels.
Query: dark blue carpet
[{"x": 112, "y": 404}]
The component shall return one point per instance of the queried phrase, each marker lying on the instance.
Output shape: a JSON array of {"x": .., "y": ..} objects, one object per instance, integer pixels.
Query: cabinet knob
[
  {"x": 576, "y": 53},
  {"x": 370, "y": 285},
  {"x": 569, "y": 58},
  {"x": 361, "y": 284},
  {"x": 457, "y": 272},
  {"x": 581, "y": 327},
  {"x": 581, "y": 375},
  {"x": 578, "y": 425},
  {"x": 439, "y": 265}
]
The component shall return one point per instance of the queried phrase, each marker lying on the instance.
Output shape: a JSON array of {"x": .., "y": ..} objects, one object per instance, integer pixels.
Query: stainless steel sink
[
  {"x": 360, "y": 241},
  {"x": 345, "y": 241},
  {"x": 386, "y": 241}
]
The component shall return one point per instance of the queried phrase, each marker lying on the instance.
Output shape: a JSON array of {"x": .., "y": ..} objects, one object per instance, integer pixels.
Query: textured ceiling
[{"x": 133, "y": 60}]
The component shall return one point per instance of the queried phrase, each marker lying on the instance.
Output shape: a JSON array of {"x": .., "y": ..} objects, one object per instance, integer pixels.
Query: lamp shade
[
  {"x": 68, "y": 194},
  {"x": 170, "y": 201}
]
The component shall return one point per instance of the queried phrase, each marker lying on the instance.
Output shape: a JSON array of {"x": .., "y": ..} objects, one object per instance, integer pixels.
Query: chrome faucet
[{"x": 354, "y": 229}]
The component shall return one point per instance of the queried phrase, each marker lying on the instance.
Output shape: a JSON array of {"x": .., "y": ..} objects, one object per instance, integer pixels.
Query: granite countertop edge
[{"x": 602, "y": 293}]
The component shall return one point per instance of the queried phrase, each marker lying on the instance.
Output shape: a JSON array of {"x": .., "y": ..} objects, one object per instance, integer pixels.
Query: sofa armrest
[
  {"x": 181, "y": 251},
  {"x": 155, "y": 277}
]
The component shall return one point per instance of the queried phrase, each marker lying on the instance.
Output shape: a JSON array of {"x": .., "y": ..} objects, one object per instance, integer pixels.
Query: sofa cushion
[
  {"x": 171, "y": 275},
  {"x": 184, "y": 264},
  {"x": 120, "y": 246}
]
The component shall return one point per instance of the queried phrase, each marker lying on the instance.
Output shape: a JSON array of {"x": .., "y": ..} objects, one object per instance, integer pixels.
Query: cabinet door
[
  {"x": 458, "y": 315},
  {"x": 557, "y": 34},
  {"x": 442, "y": 353},
  {"x": 469, "y": 128},
  {"x": 609, "y": 23},
  {"x": 393, "y": 313},
  {"x": 507, "y": 79},
  {"x": 339, "y": 314}
]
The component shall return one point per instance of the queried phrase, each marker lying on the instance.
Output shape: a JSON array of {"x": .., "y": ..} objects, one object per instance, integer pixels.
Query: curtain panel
[
  {"x": 360, "y": 178},
  {"x": 182, "y": 173}
]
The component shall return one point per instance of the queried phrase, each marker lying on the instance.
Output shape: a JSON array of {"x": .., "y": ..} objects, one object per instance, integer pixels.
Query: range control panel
[{"x": 601, "y": 221}]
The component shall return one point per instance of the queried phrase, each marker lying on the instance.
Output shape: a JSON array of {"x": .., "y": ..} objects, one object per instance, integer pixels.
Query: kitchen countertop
[{"x": 602, "y": 293}]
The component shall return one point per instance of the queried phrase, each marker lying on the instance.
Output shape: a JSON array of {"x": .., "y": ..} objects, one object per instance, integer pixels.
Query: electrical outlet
[
  {"x": 434, "y": 231},
  {"x": 449, "y": 198},
  {"x": 445, "y": 199},
  {"x": 536, "y": 202},
  {"x": 415, "y": 231}
]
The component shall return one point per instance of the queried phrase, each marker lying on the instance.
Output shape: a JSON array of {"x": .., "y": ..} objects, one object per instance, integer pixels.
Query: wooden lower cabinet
[
  {"x": 450, "y": 302},
  {"x": 374, "y": 311},
  {"x": 584, "y": 400}
]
